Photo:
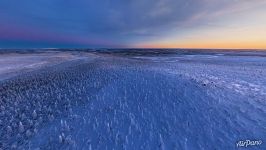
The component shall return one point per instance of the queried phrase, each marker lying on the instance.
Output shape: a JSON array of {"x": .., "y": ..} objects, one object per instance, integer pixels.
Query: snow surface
[
  {"x": 12, "y": 63},
  {"x": 99, "y": 100}
]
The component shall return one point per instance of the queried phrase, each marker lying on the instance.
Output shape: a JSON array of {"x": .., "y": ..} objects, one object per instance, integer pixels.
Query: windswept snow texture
[{"x": 132, "y": 99}]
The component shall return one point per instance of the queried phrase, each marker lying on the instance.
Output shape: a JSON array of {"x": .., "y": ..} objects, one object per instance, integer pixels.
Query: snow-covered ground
[
  {"x": 11, "y": 64},
  {"x": 90, "y": 100}
]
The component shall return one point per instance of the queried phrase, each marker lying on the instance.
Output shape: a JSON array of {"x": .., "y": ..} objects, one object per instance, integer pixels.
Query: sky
[{"x": 133, "y": 24}]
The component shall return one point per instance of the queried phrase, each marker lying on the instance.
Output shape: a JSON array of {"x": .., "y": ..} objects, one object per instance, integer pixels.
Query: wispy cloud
[{"x": 116, "y": 22}]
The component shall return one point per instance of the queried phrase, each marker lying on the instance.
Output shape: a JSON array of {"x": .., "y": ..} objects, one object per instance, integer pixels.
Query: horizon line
[{"x": 50, "y": 48}]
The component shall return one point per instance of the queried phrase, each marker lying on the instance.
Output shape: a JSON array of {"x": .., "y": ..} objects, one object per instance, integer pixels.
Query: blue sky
[{"x": 130, "y": 23}]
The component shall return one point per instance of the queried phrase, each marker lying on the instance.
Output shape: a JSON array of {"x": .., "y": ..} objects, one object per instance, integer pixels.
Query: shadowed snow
[{"x": 119, "y": 101}]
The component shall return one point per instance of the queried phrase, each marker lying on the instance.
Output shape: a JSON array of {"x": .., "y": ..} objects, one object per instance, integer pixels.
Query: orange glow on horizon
[
  {"x": 246, "y": 30},
  {"x": 208, "y": 45}
]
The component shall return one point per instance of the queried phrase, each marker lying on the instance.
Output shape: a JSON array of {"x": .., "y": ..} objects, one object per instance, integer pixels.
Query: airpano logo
[{"x": 248, "y": 143}]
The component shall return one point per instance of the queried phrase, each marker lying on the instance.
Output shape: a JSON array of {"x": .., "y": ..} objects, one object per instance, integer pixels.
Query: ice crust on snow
[{"x": 125, "y": 101}]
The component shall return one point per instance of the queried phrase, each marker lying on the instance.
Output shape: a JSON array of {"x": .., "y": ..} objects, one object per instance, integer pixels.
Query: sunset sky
[{"x": 133, "y": 23}]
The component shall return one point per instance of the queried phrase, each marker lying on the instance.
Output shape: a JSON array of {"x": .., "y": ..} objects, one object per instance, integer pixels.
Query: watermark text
[{"x": 247, "y": 143}]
